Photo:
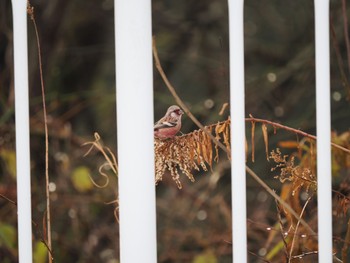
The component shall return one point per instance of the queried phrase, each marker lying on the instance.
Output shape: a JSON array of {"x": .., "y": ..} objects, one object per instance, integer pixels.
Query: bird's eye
[{"x": 177, "y": 112}]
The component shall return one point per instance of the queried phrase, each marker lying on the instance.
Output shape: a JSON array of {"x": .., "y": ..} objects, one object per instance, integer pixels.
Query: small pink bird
[{"x": 170, "y": 124}]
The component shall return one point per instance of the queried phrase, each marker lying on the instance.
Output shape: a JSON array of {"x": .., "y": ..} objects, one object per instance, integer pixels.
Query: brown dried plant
[
  {"x": 190, "y": 152},
  {"x": 299, "y": 176},
  {"x": 111, "y": 161},
  {"x": 341, "y": 170},
  {"x": 110, "y": 164},
  {"x": 343, "y": 198}
]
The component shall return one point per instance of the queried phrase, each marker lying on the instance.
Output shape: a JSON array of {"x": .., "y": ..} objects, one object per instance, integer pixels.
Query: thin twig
[
  {"x": 30, "y": 11},
  {"x": 36, "y": 226},
  {"x": 341, "y": 194},
  {"x": 276, "y": 125},
  {"x": 282, "y": 230},
  {"x": 271, "y": 228},
  {"x": 259, "y": 257},
  {"x": 296, "y": 229},
  {"x": 306, "y": 254},
  {"x": 280, "y": 126},
  {"x": 8, "y": 199},
  {"x": 178, "y": 99},
  {"x": 300, "y": 256}
]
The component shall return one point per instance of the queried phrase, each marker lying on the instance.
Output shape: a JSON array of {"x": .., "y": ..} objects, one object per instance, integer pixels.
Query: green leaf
[
  {"x": 40, "y": 252},
  {"x": 9, "y": 158},
  {"x": 81, "y": 179},
  {"x": 8, "y": 236}
]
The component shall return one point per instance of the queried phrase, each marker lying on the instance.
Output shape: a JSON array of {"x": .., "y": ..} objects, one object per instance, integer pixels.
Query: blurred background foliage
[{"x": 77, "y": 45}]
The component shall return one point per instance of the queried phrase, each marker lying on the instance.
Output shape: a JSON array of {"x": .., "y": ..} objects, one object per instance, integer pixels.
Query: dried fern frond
[
  {"x": 192, "y": 151},
  {"x": 289, "y": 171}
]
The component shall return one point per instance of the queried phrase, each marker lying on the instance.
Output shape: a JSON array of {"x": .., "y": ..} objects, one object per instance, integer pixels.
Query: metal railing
[{"x": 134, "y": 75}]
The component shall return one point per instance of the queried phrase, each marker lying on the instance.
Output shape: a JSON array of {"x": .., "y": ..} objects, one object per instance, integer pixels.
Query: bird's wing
[{"x": 164, "y": 124}]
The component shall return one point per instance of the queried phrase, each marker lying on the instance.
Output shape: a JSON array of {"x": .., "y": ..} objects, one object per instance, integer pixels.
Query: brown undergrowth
[
  {"x": 296, "y": 172},
  {"x": 195, "y": 151}
]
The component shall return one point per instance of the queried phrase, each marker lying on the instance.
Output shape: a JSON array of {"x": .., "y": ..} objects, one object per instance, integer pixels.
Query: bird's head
[{"x": 174, "y": 111}]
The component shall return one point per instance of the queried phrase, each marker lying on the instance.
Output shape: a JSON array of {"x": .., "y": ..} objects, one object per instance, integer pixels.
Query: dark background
[{"x": 77, "y": 46}]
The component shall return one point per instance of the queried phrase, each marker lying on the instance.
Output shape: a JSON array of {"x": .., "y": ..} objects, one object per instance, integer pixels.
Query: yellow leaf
[
  {"x": 205, "y": 257},
  {"x": 81, "y": 179}
]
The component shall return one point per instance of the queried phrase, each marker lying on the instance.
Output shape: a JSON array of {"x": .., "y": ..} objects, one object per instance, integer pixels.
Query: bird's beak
[{"x": 181, "y": 112}]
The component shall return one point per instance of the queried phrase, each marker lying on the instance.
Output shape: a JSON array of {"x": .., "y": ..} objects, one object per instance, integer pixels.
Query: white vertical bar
[
  {"x": 134, "y": 73},
  {"x": 19, "y": 11},
  {"x": 323, "y": 118},
  {"x": 238, "y": 174}
]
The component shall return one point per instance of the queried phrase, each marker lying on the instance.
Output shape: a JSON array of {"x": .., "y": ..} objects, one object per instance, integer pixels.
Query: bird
[{"x": 168, "y": 126}]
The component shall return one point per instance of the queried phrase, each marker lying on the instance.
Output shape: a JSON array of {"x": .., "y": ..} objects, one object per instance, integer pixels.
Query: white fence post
[
  {"x": 323, "y": 119},
  {"x": 19, "y": 11},
  {"x": 134, "y": 74},
  {"x": 237, "y": 102}
]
